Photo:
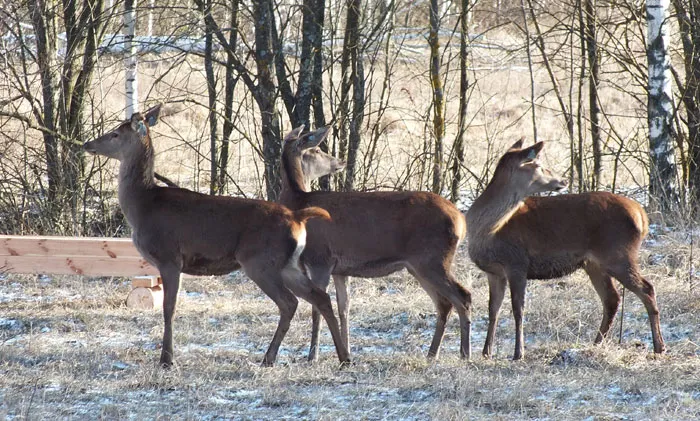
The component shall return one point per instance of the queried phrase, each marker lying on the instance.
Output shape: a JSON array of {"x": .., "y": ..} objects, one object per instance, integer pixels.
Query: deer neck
[
  {"x": 492, "y": 210},
  {"x": 136, "y": 177},
  {"x": 293, "y": 181}
]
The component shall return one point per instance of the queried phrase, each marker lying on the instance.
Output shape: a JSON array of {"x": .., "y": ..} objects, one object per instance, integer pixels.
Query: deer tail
[{"x": 302, "y": 215}]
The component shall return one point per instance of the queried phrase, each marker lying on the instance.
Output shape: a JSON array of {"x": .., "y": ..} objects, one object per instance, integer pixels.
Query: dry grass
[{"x": 70, "y": 349}]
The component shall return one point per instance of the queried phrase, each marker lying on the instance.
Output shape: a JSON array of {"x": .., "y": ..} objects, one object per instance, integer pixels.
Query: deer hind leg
[
  {"x": 497, "y": 291},
  {"x": 170, "y": 273},
  {"x": 302, "y": 286},
  {"x": 271, "y": 283},
  {"x": 341, "y": 294},
  {"x": 443, "y": 307},
  {"x": 629, "y": 275},
  {"x": 609, "y": 296},
  {"x": 444, "y": 287},
  {"x": 321, "y": 278}
]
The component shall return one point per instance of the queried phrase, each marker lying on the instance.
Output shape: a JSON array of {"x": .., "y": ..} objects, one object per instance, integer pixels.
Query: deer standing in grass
[
  {"x": 180, "y": 231},
  {"x": 513, "y": 238},
  {"x": 374, "y": 234}
]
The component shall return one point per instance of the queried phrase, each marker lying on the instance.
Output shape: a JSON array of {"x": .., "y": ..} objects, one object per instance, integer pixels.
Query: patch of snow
[
  {"x": 10, "y": 324},
  {"x": 118, "y": 365}
]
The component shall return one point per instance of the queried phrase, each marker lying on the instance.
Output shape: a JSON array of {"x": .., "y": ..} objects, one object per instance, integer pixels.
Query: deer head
[
  {"x": 127, "y": 138},
  {"x": 520, "y": 170},
  {"x": 314, "y": 162}
]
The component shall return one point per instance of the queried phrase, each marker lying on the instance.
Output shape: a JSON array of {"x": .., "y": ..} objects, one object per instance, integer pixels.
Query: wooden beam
[
  {"x": 12, "y": 245},
  {"x": 78, "y": 265}
]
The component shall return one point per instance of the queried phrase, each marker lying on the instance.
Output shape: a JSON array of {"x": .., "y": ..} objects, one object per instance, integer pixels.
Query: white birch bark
[
  {"x": 660, "y": 105},
  {"x": 152, "y": 5},
  {"x": 130, "y": 58}
]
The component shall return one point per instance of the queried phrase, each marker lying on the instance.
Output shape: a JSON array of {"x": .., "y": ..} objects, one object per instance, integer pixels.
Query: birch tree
[
  {"x": 130, "y": 60},
  {"x": 662, "y": 169}
]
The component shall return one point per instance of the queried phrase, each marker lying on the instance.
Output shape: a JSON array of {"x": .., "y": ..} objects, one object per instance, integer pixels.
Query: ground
[{"x": 70, "y": 349}]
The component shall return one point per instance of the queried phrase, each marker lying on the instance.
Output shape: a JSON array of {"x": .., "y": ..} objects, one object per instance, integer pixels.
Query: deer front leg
[
  {"x": 497, "y": 291},
  {"x": 518, "y": 283},
  {"x": 171, "y": 285}
]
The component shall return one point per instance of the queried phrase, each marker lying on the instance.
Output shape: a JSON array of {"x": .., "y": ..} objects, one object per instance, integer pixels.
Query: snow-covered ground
[{"x": 70, "y": 349}]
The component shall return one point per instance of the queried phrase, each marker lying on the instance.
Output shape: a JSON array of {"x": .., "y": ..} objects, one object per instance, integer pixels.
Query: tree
[
  {"x": 458, "y": 157},
  {"x": 662, "y": 169},
  {"x": 438, "y": 95},
  {"x": 130, "y": 59}
]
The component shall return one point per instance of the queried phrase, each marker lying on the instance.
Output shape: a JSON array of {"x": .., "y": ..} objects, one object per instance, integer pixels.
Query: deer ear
[
  {"x": 315, "y": 138},
  {"x": 152, "y": 115},
  {"x": 517, "y": 145},
  {"x": 531, "y": 153},
  {"x": 294, "y": 134}
]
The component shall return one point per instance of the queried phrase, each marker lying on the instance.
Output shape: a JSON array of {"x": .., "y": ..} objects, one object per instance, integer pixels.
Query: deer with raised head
[
  {"x": 374, "y": 234},
  {"x": 514, "y": 237},
  {"x": 181, "y": 231}
]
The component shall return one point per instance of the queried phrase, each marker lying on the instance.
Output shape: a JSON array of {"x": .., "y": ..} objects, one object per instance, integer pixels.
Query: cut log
[{"x": 142, "y": 298}]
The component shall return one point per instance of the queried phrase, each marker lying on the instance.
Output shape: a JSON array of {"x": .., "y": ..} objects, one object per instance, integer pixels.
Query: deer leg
[
  {"x": 304, "y": 288},
  {"x": 271, "y": 282},
  {"x": 604, "y": 286},
  {"x": 171, "y": 284},
  {"x": 341, "y": 294},
  {"x": 629, "y": 275},
  {"x": 497, "y": 291},
  {"x": 320, "y": 278},
  {"x": 444, "y": 307},
  {"x": 439, "y": 279},
  {"x": 518, "y": 284}
]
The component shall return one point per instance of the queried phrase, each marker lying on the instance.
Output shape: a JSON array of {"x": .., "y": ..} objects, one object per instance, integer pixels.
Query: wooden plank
[
  {"x": 78, "y": 265},
  {"x": 12, "y": 245},
  {"x": 145, "y": 281}
]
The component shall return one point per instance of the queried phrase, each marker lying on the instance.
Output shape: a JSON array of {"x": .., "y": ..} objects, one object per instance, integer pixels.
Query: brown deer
[
  {"x": 375, "y": 234},
  {"x": 513, "y": 238},
  {"x": 181, "y": 231}
]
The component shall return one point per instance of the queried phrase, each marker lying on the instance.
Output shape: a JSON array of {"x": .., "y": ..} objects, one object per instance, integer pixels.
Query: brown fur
[
  {"x": 180, "y": 231},
  {"x": 376, "y": 234},
  {"x": 514, "y": 238}
]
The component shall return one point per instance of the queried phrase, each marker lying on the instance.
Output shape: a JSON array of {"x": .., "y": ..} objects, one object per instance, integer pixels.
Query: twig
[{"x": 622, "y": 314}]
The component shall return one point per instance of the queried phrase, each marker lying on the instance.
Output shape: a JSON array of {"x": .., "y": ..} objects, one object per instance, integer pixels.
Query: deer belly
[
  {"x": 202, "y": 266},
  {"x": 368, "y": 268},
  {"x": 553, "y": 266}
]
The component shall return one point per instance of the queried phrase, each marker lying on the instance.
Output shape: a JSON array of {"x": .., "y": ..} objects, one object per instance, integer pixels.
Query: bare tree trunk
[
  {"x": 660, "y": 108},
  {"x": 44, "y": 26},
  {"x": 206, "y": 8},
  {"x": 593, "y": 78},
  {"x": 438, "y": 95},
  {"x": 531, "y": 70},
  {"x": 353, "y": 77},
  {"x": 311, "y": 32},
  {"x": 229, "y": 87},
  {"x": 266, "y": 96},
  {"x": 458, "y": 159},
  {"x": 317, "y": 80},
  {"x": 130, "y": 58},
  {"x": 688, "y": 15}
]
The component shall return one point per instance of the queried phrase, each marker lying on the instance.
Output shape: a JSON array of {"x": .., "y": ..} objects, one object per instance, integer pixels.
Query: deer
[
  {"x": 514, "y": 236},
  {"x": 182, "y": 231},
  {"x": 374, "y": 234}
]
